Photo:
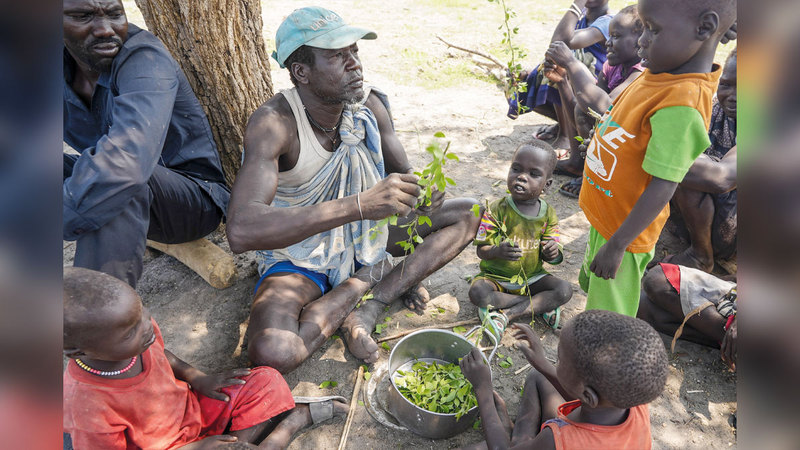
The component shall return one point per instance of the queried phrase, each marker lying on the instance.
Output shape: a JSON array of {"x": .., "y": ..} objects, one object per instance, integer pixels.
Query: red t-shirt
[
  {"x": 155, "y": 410},
  {"x": 633, "y": 434}
]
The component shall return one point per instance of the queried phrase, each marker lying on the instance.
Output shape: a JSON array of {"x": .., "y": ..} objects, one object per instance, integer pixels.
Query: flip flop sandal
[
  {"x": 562, "y": 154},
  {"x": 497, "y": 321},
  {"x": 575, "y": 182},
  {"x": 321, "y": 408},
  {"x": 552, "y": 318}
]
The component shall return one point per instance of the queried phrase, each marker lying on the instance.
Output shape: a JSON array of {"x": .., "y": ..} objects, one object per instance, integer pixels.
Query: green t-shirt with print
[{"x": 526, "y": 231}]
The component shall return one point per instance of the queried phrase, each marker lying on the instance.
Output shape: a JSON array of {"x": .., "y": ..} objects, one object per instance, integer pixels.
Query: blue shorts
[{"x": 320, "y": 279}]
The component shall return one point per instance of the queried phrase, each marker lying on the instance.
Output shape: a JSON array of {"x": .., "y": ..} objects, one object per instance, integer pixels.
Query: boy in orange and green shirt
[{"x": 645, "y": 144}]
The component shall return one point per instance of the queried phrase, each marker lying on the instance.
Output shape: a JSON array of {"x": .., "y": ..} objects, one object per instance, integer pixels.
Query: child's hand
[
  {"x": 534, "y": 352},
  {"x": 210, "y": 385},
  {"x": 607, "y": 261},
  {"x": 559, "y": 53},
  {"x": 549, "y": 250},
  {"x": 437, "y": 199},
  {"x": 508, "y": 250},
  {"x": 554, "y": 72},
  {"x": 475, "y": 369}
]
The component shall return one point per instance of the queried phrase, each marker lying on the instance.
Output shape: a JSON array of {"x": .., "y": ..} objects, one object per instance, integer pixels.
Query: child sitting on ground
[
  {"x": 620, "y": 69},
  {"x": 610, "y": 367},
  {"x": 517, "y": 233},
  {"x": 122, "y": 389},
  {"x": 645, "y": 144},
  {"x": 584, "y": 28}
]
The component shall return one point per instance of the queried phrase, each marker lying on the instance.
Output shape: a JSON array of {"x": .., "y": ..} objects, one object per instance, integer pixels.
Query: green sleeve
[{"x": 679, "y": 136}]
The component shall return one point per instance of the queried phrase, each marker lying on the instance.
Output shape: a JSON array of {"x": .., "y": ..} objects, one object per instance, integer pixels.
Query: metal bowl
[{"x": 428, "y": 345}]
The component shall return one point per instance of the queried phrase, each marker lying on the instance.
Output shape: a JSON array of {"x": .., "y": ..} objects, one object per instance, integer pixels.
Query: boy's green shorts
[{"x": 620, "y": 294}]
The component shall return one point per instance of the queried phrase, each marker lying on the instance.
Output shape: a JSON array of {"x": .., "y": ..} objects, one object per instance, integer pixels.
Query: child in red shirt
[
  {"x": 610, "y": 367},
  {"x": 122, "y": 389}
]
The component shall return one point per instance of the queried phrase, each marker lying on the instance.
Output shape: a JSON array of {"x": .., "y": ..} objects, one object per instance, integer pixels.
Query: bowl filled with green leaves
[{"x": 428, "y": 394}]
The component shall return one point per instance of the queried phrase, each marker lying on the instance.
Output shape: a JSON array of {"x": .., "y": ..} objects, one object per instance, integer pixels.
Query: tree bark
[{"x": 219, "y": 46}]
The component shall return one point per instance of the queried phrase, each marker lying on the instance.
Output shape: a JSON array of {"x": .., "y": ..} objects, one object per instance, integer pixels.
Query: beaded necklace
[
  {"x": 327, "y": 131},
  {"x": 85, "y": 367}
]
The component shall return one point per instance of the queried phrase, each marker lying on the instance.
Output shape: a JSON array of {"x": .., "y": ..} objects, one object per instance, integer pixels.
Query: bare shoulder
[
  {"x": 378, "y": 108},
  {"x": 270, "y": 128}
]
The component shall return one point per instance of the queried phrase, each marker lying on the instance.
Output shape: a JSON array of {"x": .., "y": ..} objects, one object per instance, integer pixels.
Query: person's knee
[
  {"x": 479, "y": 294},
  {"x": 563, "y": 291},
  {"x": 279, "y": 349}
]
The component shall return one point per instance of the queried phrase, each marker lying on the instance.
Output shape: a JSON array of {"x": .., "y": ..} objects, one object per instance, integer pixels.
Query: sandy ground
[{"x": 431, "y": 90}]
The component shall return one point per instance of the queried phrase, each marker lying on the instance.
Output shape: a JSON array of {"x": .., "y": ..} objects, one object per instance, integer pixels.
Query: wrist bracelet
[
  {"x": 570, "y": 10},
  {"x": 358, "y": 200}
]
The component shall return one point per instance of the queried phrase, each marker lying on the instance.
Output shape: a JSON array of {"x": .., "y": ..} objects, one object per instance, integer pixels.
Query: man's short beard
[{"x": 353, "y": 98}]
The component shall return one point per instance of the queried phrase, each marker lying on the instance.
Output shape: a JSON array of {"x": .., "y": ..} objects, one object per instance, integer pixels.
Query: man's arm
[
  {"x": 587, "y": 93},
  {"x": 712, "y": 176},
  {"x": 394, "y": 155},
  {"x": 565, "y": 31},
  {"x": 106, "y": 176},
  {"x": 255, "y": 225}
]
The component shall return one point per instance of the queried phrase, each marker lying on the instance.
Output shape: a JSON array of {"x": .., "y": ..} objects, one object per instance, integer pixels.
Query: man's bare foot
[
  {"x": 298, "y": 419},
  {"x": 416, "y": 299},
  {"x": 564, "y": 168},
  {"x": 690, "y": 258},
  {"x": 357, "y": 328},
  {"x": 561, "y": 142}
]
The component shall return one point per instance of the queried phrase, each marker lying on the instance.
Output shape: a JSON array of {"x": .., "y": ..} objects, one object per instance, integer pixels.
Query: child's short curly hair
[
  {"x": 621, "y": 357},
  {"x": 633, "y": 12},
  {"x": 540, "y": 144}
]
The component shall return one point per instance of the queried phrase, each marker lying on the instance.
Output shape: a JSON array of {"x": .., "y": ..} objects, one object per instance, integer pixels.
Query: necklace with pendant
[{"x": 326, "y": 131}]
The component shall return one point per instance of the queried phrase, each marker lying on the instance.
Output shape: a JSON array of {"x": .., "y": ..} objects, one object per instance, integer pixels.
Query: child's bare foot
[
  {"x": 502, "y": 411},
  {"x": 356, "y": 330},
  {"x": 690, "y": 258},
  {"x": 416, "y": 299},
  {"x": 298, "y": 419},
  {"x": 520, "y": 309}
]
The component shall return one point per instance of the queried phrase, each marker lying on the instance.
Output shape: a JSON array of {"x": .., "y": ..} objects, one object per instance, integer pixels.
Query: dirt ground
[{"x": 431, "y": 89}]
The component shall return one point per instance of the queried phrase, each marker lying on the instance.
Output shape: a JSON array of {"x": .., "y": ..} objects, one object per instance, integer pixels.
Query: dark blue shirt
[{"x": 143, "y": 113}]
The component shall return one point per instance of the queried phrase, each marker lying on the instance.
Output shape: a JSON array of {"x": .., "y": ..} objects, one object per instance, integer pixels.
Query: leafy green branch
[{"x": 516, "y": 55}]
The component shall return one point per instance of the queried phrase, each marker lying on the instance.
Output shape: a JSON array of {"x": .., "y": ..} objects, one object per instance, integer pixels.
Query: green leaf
[
  {"x": 409, "y": 315},
  {"x": 476, "y": 209},
  {"x": 450, "y": 181},
  {"x": 441, "y": 310},
  {"x": 360, "y": 402},
  {"x": 459, "y": 330},
  {"x": 438, "y": 134},
  {"x": 425, "y": 220},
  {"x": 392, "y": 220},
  {"x": 385, "y": 346},
  {"x": 388, "y": 319},
  {"x": 379, "y": 328},
  {"x": 328, "y": 384}
]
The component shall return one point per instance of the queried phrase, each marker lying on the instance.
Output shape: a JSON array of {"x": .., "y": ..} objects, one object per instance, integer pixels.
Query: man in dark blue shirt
[{"x": 148, "y": 165}]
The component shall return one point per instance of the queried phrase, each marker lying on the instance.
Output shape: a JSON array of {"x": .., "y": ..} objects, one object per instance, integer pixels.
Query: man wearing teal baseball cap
[{"x": 322, "y": 168}]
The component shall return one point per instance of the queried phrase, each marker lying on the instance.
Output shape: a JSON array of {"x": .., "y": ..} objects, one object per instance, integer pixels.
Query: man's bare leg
[
  {"x": 289, "y": 320},
  {"x": 697, "y": 209},
  {"x": 453, "y": 227}
]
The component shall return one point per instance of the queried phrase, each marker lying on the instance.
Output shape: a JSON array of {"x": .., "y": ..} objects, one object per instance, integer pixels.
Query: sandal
[
  {"x": 497, "y": 321},
  {"x": 552, "y": 318},
  {"x": 321, "y": 408},
  {"x": 572, "y": 188}
]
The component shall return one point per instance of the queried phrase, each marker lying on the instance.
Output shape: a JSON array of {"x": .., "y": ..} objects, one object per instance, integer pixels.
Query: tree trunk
[{"x": 219, "y": 46}]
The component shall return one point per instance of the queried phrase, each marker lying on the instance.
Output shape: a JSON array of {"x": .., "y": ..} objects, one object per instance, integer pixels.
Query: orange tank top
[{"x": 633, "y": 434}]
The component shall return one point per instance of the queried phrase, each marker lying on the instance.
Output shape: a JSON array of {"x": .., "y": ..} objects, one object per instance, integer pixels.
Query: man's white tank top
[{"x": 312, "y": 155}]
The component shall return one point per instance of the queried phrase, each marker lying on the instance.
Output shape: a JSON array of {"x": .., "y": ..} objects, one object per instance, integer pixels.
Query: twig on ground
[
  {"x": 351, "y": 412},
  {"x": 474, "y": 52},
  {"x": 474, "y": 321}
]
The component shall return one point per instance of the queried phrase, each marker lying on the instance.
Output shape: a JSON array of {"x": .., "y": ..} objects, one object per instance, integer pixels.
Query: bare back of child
[
  {"x": 517, "y": 233},
  {"x": 610, "y": 367}
]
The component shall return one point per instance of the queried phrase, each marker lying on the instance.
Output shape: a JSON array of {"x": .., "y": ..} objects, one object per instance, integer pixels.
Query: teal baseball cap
[{"x": 316, "y": 27}]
